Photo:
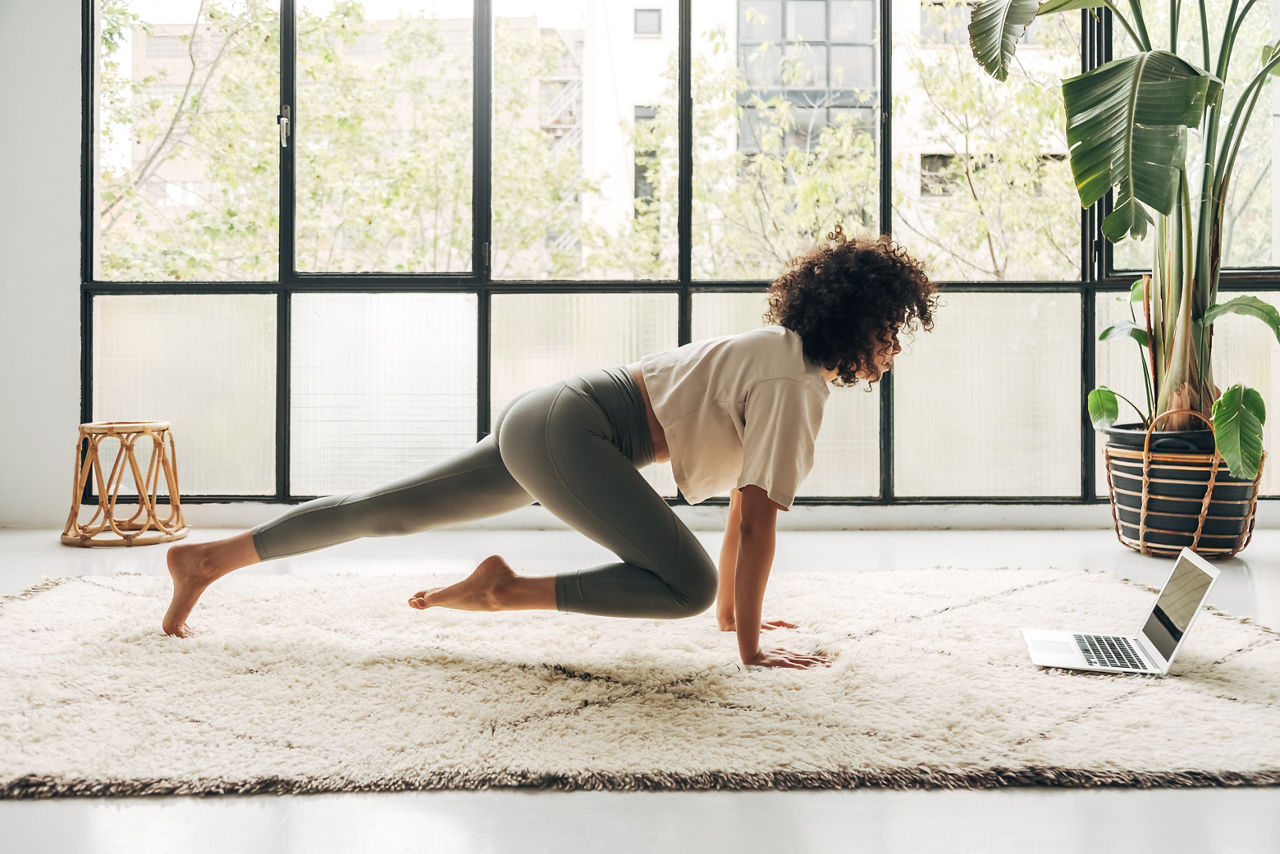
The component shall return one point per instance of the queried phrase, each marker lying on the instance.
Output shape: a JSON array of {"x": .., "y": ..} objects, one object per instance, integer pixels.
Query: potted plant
[{"x": 1127, "y": 127}]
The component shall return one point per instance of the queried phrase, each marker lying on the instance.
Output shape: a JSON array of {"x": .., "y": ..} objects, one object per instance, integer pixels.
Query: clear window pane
[
  {"x": 383, "y": 137},
  {"x": 567, "y": 79},
  {"x": 542, "y": 338},
  {"x": 846, "y": 459},
  {"x": 205, "y": 364},
  {"x": 185, "y": 152},
  {"x": 1251, "y": 223},
  {"x": 382, "y": 385},
  {"x": 948, "y": 23},
  {"x": 1018, "y": 214},
  {"x": 775, "y": 164},
  {"x": 988, "y": 404}
]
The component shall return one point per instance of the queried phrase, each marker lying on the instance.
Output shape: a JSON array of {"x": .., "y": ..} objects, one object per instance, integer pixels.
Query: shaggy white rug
[{"x": 335, "y": 684}]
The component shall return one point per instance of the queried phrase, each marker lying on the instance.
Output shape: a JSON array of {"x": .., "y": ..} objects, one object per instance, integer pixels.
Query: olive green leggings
[{"x": 576, "y": 447}]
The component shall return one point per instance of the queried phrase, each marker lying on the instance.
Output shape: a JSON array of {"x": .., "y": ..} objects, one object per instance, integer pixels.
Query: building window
[
  {"x": 646, "y": 162},
  {"x": 934, "y": 169},
  {"x": 648, "y": 22},
  {"x": 816, "y": 54}
]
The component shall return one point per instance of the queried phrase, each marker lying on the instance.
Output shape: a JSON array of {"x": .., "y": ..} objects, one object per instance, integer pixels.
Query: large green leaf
[
  {"x": 1249, "y": 306},
  {"x": 996, "y": 25},
  {"x": 994, "y": 30},
  {"x": 1104, "y": 409},
  {"x": 1238, "y": 416},
  {"x": 1127, "y": 127}
]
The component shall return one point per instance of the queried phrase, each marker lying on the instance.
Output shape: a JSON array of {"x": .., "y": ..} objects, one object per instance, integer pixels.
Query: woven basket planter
[{"x": 1165, "y": 499}]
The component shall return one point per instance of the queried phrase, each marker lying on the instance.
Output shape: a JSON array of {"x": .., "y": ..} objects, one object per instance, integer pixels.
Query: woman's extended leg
[{"x": 473, "y": 484}]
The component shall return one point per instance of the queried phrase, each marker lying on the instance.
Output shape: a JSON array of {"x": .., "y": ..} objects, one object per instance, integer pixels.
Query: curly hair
[{"x": 845, "y": 299}]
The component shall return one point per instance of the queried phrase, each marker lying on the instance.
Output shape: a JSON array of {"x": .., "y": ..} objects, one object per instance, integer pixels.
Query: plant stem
[
  {"x": 1236, "y": 126},
  {"x": 1145, "y": 419},
  {"x": 1136, "y": 7},
  {"x": 1124, "y": 22},
  {"x": 1204, "y": 33},
  {"x": 1228, "y": 39},
  {"x": 1235, "y": 30},
  {"x": 1146, "y": 373}
]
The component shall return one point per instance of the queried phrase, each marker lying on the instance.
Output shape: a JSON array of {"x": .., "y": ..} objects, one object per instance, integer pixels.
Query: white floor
[{"x": 1017, "y": 820}]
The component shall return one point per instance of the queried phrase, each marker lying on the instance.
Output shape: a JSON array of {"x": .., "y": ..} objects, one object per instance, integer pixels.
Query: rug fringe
[{"x": 38, "y": 787}]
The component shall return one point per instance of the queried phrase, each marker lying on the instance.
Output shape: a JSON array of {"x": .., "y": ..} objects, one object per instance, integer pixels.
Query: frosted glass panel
[
  {"x": 847, "y": 456},
  {"x": 1118, "y": 367},
  {"x": 988, "y": 404},
  {"x": 383, "y": 385},
  {"x": 1244, "y": 351},
  {"x": 538, "y": 339},
  {"x": 205, "y": 364}
]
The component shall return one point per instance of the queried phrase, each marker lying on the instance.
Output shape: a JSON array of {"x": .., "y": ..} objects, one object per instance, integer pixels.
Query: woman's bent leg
[
  {"x": 556, "y": 442},
  {"x": 473, "y": 484}
]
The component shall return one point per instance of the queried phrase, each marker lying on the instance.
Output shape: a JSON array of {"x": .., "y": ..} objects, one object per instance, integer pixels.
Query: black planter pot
[
  {"x": 1171, "y": 441},
  {"x": 1172, "y": 478}
]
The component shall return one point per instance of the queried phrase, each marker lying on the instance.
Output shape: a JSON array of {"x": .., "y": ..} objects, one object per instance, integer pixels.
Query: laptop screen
[{"x": 1177, "y": 604}]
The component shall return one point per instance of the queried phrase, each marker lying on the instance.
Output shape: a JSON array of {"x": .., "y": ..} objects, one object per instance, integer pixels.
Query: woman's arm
[
  {"x": 757, "y": 526},
  {"x": 729, "y": 562},
  {"x": 753, "y": 558}
]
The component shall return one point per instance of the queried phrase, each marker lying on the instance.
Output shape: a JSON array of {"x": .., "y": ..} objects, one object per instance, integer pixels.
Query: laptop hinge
[{"x": 1154, "y": 659}]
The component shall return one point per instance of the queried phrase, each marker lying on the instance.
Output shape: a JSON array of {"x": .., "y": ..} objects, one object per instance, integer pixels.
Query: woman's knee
[{"x": 701, "y": 581}]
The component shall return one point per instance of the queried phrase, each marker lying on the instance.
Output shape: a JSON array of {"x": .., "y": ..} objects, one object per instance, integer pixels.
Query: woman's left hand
[{"x": 731, "y": 626}]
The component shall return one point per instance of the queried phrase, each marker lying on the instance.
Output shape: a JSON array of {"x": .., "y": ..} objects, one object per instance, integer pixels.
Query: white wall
[{"x": 39, "y": 259}]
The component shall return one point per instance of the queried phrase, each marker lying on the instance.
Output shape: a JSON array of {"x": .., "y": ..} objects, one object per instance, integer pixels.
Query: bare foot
[
  {"x": 479, "y": 591},
  {"x": 191, "y": 576}
]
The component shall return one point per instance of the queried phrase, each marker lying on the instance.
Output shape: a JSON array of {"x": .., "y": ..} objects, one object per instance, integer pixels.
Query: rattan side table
[{"x": 143, "y": 527}]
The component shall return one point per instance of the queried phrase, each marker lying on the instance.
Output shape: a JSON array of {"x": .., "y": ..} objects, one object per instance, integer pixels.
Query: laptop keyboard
[{"x": 1109, "y": 651}]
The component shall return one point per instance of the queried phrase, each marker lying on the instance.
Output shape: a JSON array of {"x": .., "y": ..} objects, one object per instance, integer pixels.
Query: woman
[{"x": 739, "y": 412}]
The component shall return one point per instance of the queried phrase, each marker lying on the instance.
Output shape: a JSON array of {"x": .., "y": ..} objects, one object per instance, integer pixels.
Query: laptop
[{"x": 1152, "y": 649}]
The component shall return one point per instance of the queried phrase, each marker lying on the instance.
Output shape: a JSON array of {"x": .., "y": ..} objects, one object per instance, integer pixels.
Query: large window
[{"x": 329, "y": 241}]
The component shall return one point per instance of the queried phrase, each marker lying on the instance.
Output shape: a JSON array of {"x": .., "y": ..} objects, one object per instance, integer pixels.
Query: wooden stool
[{"x": 103, "y": 528}]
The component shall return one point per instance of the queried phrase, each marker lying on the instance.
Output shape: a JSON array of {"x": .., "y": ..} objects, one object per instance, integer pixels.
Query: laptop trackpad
[{"x": 1052, "y": 646}]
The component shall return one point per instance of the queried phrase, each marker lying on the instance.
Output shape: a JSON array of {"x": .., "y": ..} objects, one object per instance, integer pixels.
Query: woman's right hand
[{"x": 782, "y": 658}]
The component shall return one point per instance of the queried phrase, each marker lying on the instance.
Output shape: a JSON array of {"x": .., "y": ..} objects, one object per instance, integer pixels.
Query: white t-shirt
[{"x": 737, "y": 410}]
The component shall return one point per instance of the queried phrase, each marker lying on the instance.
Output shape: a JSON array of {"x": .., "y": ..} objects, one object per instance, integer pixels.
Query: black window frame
[{"x": 1098, "y": 274}]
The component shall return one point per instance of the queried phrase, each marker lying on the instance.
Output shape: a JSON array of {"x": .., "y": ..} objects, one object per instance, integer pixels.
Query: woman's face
[{"x": 888, "y": 347}]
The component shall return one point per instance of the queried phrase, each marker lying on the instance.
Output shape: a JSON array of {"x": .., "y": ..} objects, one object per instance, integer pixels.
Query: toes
[{"x": 419, "y": 599}]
